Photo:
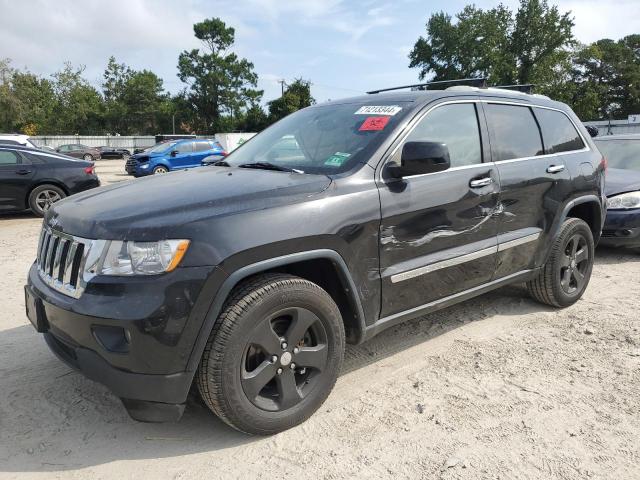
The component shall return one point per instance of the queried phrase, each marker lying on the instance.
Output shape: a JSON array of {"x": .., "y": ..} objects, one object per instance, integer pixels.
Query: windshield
[
  {"x": 621, "y": 153},
  {"x": 161, "y": 147},
  {"x": 326, "y": 139}
]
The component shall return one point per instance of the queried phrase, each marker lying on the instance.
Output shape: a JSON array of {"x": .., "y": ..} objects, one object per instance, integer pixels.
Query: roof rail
[
  {"x": 476, "y": 82},
  {"x": 524, "y": 88}
]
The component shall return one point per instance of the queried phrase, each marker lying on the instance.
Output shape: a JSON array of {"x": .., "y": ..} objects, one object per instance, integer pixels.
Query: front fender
[{"x": 248, "y": 270}]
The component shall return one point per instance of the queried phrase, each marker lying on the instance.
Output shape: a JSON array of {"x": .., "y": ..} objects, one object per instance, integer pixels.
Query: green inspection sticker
[{"x": 337, "y": 159}]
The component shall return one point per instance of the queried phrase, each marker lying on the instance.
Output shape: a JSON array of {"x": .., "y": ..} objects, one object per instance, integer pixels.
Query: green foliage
[
  {"x": 221, "y": 85},
  {"x": 605, "y": 79},
  {"x": 527, "y": 47},
  {"x": 295, "y": 97},
  {"x": 78, "y": 107}
]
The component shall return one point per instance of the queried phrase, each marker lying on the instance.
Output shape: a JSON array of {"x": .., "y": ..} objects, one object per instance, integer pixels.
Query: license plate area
[{"x": 35, "y": 311}]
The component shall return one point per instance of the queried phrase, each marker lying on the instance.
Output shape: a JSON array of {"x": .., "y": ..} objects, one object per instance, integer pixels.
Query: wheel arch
[
  {"x": 324, "y": 267},
  {"x": 39, "y": 183},
  {"x": 587, "y": 208}
]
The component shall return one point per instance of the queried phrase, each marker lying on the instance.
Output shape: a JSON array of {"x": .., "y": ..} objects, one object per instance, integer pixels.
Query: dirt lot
[{"x": 497, "y": 387}]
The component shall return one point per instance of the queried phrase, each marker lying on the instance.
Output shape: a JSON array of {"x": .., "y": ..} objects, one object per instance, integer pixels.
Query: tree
[
  {"x": 26, "y": 101},
  {"x": 78, "y": 107},
  {"x": 605, "y": 80},
  {"x": 115, "y": 77},
  {"x": 220, "y": 85},
  {"x": 295, "y": 97},
  {"x": 530, "y": 47}
]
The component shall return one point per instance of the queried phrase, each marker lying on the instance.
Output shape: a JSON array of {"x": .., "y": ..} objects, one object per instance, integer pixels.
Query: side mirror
[
  {"x": 174, "y": 153},
  {"x": 419, "y": 158},
  {"x": 593, "y": 131}
]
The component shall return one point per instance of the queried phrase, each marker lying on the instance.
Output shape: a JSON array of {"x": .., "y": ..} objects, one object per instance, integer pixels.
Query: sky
[{"x": 344, "y": 47}]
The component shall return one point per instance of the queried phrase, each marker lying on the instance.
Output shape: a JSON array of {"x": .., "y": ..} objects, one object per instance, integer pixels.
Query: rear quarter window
[
  {"x": 558, "y": 132},
  {"x": 514, "y": 132}
]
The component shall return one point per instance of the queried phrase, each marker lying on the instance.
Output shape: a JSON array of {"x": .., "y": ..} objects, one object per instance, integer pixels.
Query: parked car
[
  {"x": 33, "y": 179},
  {"x": 80, "y": 151},
  {"x": 172, "y": 155},
  {"x": 16, "y": 139},
  {"x": 111, "y": 152},
  {"x": 248, "y": 278},
  {"x": 622, "y": 225}
]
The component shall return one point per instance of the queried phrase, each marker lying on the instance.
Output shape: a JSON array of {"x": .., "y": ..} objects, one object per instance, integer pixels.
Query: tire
[
  {"x": 43, "y": 196},
  {"x": 88, "y": 157},
  {"x": 565, "y": 276},
  {"x": 160, "y": 169},
  {"x": 268, "y": 309}
]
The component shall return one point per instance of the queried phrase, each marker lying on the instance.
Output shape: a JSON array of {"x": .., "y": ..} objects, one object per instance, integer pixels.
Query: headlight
[
  {"x": 141, "y": 258},
  {"x": 624, "y": 201}
]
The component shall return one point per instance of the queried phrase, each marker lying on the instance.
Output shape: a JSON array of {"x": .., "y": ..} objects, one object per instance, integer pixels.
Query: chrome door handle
[
  {"x": 480, "y": 182},
  {"x": 555, "y": 168}
]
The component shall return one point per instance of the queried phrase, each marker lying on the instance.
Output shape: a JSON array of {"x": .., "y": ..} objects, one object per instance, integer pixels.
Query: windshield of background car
[
  {"x": 326, "y": 139},
  {"x": 161, "y": 147},
  {"x": 621, "y": 153}
]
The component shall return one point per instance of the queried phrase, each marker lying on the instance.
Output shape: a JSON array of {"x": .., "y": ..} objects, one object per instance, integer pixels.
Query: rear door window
[
  {"x": 202, "y": 146},
  {"x": 560, "y": 135},
  {"x": 8, "y": 158},
  {"x": 514, "y": 132}
]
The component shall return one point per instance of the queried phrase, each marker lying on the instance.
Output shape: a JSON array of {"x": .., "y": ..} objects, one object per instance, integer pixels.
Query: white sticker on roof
[{"x": 378, "y": 110}]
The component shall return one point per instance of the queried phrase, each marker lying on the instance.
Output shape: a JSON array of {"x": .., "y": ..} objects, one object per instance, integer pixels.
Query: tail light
[
  {"x": 90, "y": 170},
  {"x": 604, "y": 164},
  {"x": 223, "y": 153}
]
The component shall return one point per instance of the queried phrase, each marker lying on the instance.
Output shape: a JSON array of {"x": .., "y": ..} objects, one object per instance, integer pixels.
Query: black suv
[{"x": 339, "y": 221}]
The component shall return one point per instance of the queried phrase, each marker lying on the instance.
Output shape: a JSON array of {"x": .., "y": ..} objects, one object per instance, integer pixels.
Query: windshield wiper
[{"x": 269, "y": 166}]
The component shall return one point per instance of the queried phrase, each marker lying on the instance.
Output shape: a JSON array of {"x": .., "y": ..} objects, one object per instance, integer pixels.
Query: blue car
[
  {"x": 172, "y": 155},
  {"x": 622, "y": 187}
]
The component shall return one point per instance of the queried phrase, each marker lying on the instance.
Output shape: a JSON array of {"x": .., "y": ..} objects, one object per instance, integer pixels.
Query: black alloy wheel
[
  {"x": 285, "y": 358},
  {"x": 273, "y": 355},
  {"x": 574, "y": 264}
]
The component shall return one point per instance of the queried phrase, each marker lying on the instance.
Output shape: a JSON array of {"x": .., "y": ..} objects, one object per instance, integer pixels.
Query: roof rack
[
  {"x": 475, "y": 82},
  {"x": 469, "y": 82},
  {"x": 524, "y": 88}
]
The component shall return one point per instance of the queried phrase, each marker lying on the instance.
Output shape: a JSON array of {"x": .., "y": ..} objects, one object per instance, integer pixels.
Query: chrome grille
[{"x": 60, "y": 261}]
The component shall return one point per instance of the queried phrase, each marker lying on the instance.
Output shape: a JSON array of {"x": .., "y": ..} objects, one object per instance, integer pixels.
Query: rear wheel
[
  {"x": 88, "y": 157},
  {"x": 43, "y": 196},
  {"x": 160, "y": 169},
  {"x": 565, "y": 276},
  {"x": 273, "y": 356}
]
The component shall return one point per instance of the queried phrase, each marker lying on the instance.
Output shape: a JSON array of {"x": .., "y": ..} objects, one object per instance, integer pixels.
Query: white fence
[
  {"x": 614, "y": 127},
  {"x": 129, "y": 143},
  {"x": 229, "y": 141}
]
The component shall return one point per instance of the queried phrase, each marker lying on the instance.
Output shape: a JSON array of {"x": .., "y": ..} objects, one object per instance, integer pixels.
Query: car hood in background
[
  {"x": 163, "y": 206},
  {"x": 620, "y": 181}
]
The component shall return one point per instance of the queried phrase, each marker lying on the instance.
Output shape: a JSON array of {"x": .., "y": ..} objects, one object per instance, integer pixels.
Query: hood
[
  {"x": 160, "y": 206},
  {"x": 620, "y": 181}
]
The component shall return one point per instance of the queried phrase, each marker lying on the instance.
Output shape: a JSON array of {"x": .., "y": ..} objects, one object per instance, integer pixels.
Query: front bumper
[
  {"x": 621, "y": 229},
  {"x": 134, "y": 338}
]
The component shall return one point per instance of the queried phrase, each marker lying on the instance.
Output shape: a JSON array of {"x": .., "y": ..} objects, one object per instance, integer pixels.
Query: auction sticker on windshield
[
  {"x": 378, "y": 110},
  {"x": 337, "y": 159},
  {"x": 374, "y": 124}
]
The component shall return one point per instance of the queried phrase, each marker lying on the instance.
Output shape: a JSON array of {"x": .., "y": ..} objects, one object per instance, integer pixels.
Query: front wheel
[
  {"x": 565, "y": 276},
  {"x": 274, "y": 354},
  {"x": 160, "y": 169},
  {"x": 88, "y": 157}
]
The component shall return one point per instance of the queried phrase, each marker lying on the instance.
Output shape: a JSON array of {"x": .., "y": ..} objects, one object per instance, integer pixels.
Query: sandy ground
[{"x": 497, "y": 387}]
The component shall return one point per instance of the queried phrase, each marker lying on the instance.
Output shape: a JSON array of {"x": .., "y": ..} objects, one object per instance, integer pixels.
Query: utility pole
[
  {"x": 173, "y": 123},
  {"x": 282, "y": 85}
]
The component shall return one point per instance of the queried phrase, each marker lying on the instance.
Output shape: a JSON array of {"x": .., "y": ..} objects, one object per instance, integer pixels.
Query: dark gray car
[{"x": 78, "y": 150}]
